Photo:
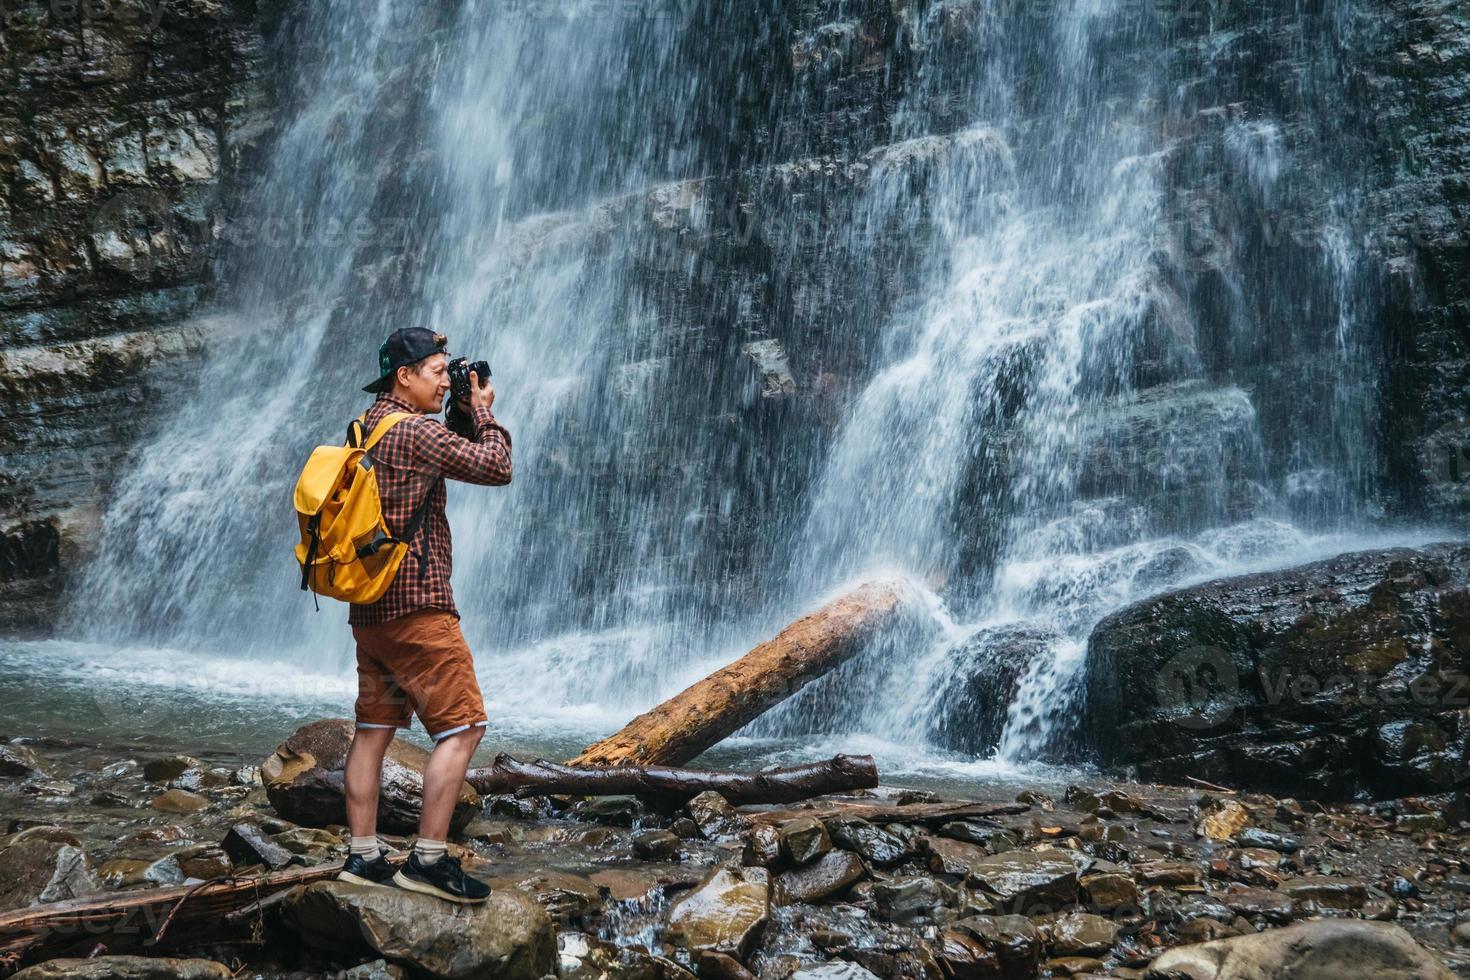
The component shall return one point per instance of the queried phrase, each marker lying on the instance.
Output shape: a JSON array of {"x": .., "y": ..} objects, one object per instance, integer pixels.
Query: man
[{"x": 411, "y": 656}]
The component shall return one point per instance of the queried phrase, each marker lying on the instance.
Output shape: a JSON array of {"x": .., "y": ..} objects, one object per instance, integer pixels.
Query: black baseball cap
[{"x": 407, "y": 345}]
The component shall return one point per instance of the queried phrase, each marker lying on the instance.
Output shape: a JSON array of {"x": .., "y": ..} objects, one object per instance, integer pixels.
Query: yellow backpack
[{"x": 347, "y": 551}]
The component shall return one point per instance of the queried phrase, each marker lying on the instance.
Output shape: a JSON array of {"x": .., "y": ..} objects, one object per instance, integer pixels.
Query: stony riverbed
[{"x": 1101, "y": 878}]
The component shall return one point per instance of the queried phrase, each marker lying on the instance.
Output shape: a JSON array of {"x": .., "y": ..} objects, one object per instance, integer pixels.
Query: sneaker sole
[
  {"x": 351, "y": 878},
  {"x": 402, "y": 881}
]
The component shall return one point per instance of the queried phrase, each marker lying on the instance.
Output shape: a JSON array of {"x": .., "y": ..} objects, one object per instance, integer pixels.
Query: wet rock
[
  {"x": 199, "y": 863},
  {"x": 1204, "y": 930},
  {"x": 584, "y": 957},
  {"x": 247, "y": 844},
  {"x": 1293, "y": 681},
  {"x": 906, "y": 899},
  {"x": 1323, "y": 948},
  {"x": 178, "y": 801},
  {"x": 198, "y": 779},
  {"x": 126, "y": 968},
  {"x": 1419, "y": 823},
  {"x": 562, "y": 894},
  {"x": 1021, "y": 879},
  {"x": 122, "y": 872},
  {"x": 619, "y": 811},
  {"x": 963, "y": 957},
  {"x": 721, "y": 966},
  {"x": 804, "y": 839},
  {"x": 657, "y": 845},
  {"x": 762, "y": 845},
  {"x": 828, "y": 875},
  {"x": 19, "y": 762},
  {"x": 1013, "y": 939},
  {"x": 303, "y": 780},
  {"x": 724, "y": 912},
  {"x": 1311, "y": 895},
  {"x": 1082, "y": 932},
  {"x": 311, "y": 845},
  {"x": 715, "y": 817},
  {"x": 203, "y": 861},
  {"x": 246, "y": 776},
  {"x": 169, "y": 768},
  {"x": 508, "y": 936},
  {"x": 1223, "y": 821},
  {"x": 909, "y": 797},
  {"x": 1110, "y": 891},
  {"x": 835, "y": 970},
  {"x": 43, "y": 864},
  {"x": 951, "y": 857},
  {"x": 1170, "y": 873},
  {"x": 876, "y": 845},
  {"x": 107, "y": 798},
  {"x": 376, "y": 970},
  {"x": 1273, "y": 906},
  {"x": 1072, "y": 966}
]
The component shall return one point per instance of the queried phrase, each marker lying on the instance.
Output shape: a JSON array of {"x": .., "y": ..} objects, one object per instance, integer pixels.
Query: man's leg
[
  {"x": 442, "y": 686},
  {"x": 362, "y": 776},
  {"x": 443, "y": 777}
]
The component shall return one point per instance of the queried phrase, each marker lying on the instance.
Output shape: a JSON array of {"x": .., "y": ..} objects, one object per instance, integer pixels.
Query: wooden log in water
[
  {"x": 690, "y": 722},
  {"x": 839, "y": 774}
]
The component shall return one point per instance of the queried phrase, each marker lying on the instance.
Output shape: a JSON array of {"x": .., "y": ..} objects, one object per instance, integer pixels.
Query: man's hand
[{"x": 480, "y": 397}]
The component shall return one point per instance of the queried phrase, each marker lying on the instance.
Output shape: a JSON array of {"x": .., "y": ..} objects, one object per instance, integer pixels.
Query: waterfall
[{"x": 1031, "y": 345}]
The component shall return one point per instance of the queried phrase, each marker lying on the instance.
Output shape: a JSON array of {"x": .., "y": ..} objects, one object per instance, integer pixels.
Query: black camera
[{"x": 459, "y": 377}]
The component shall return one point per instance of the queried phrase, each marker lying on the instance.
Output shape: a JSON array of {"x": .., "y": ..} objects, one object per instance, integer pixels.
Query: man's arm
[{"x": 484, "y": 460}]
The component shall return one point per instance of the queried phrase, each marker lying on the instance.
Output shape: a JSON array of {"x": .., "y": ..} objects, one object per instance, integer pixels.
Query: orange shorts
[{"x": 417, "y": 664}]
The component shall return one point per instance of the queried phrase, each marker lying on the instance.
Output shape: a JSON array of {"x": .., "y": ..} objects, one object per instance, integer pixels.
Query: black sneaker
[
  {"x": 443, "y": 879},
  {"x": 360, "y": 871}
]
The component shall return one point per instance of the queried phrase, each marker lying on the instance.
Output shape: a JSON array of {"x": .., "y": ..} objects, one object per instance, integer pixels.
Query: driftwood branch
[
  {"x": 685, "y": 725},
  {"x": 145, "y": 920},
  {"x": 836, "y": 775}
]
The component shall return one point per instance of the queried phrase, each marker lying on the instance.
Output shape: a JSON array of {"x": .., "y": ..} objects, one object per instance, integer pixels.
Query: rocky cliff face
[
  {"x": 126, "y": 138},
  {"x": 123, "y": 127}
]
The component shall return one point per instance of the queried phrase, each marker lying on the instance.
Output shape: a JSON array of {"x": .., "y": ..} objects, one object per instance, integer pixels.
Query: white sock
[
  {"x": 429, "y": 851},
  {"x": 367, "y": 847}
]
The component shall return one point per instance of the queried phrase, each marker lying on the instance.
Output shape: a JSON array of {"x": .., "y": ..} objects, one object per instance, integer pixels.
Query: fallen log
[
  {"x": 839, "y": 774},
  {"x": 146, "y": 920},
  {"x": 927, "y": 814},
  {"x": 690, "y": 722}
]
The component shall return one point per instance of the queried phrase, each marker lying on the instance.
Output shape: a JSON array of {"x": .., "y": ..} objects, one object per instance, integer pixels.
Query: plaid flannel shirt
[{"x": 412, "y": 460}]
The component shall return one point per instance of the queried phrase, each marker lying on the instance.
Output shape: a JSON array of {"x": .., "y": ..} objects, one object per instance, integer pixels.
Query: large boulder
[
  {"x": 1324, "y": 680},
  {"x": 126, "y": 968},
  {"x": 43, "y": 864},
  {"x": 1028, "y": 882},
  {"x": 1306, "y": 951},
  {"x": 509, "y": 936},
  {"x": 303, "y": 780}
]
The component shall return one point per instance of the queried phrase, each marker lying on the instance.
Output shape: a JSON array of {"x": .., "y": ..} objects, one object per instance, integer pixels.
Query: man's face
[{"x": 424, "y": 385}]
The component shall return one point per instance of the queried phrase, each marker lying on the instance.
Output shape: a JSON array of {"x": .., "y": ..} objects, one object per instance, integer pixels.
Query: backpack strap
[
  {"x": 381, "y": 429},
  {"x": 416, "y": 521},
  {"x": 357, "y": 431}
]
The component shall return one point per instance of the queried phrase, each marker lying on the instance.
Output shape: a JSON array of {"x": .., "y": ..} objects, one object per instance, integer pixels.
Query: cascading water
[{"x": 1038, "y": 361}]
